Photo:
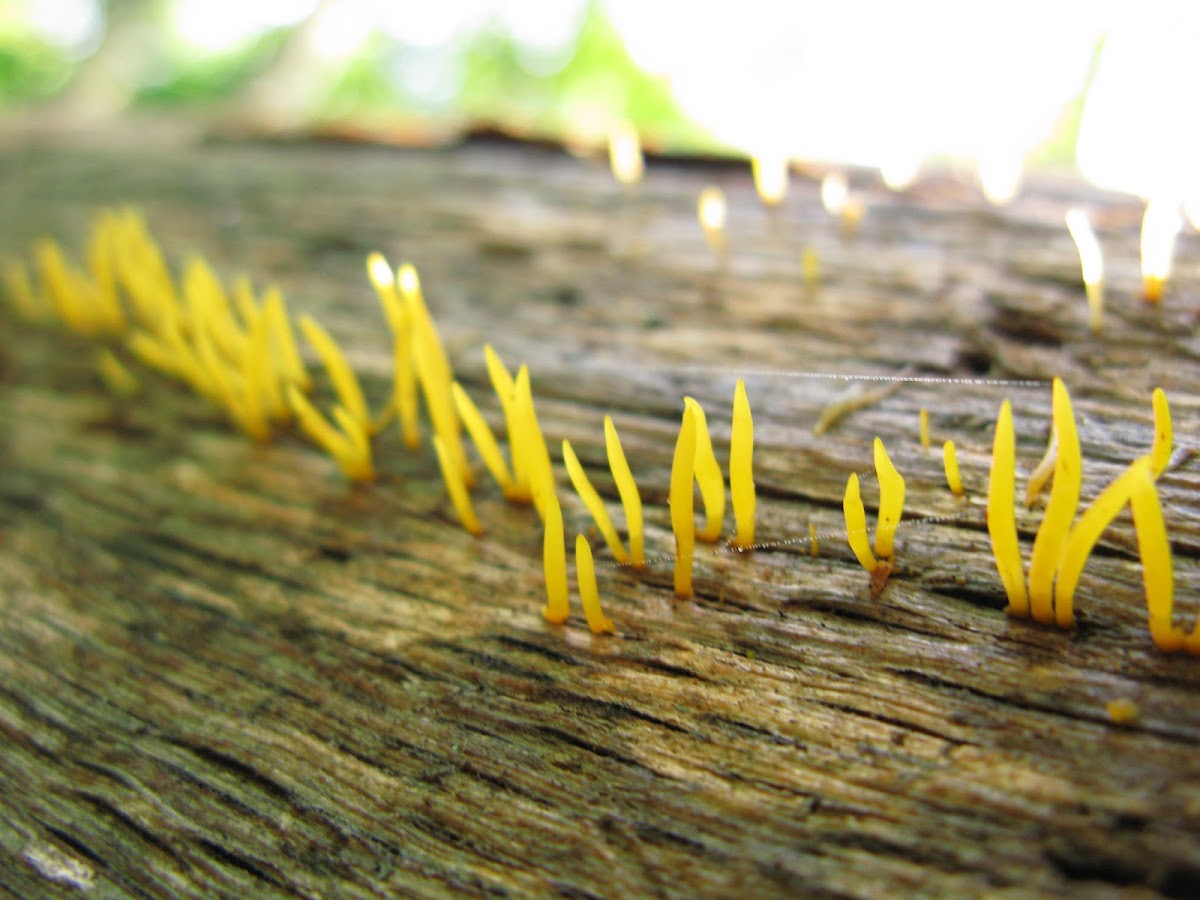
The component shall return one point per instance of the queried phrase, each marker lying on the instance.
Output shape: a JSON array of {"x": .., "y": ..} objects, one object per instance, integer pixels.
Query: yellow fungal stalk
[
  {"x": 631, "y": 501},
  {"x": 708, "y": 476},
  {"x": 531, "y": 445},
  {"x": 404, "y": 382},
  {"x": 1160, "y": 454},
  {"x": 810, "y": 266},
  {"x": 209, "y": 309},
  {"x": 1001, "y": 513},
  {"x": 481, "y": 434},
  {"x": 741, "y": 469},
  {"x": 589, "y": 594},
  {"x": 554, "y": 565},
  {"x": 592, "y": 501},
  {"x": 950, "y": 460},
  {"x": 891, "y": 502},
  {"x": 1122, "y": 711},
  {"x": 345, "y": 384},
  {"x": 348, "y": 445},
  {"x": 923, "y": 419},
  {"x": 456, "y": 488},
  {"x": 856, "y": 525},
  {"x": 814, "y": 547},
  {"x": 1051, "y": 537},
  {"x": 284, "y": 353},
  {"x": 1041, "y": 474},
  {"x": 505, "y": 387},
  {"x": 115, "y": 376},
  {"x": 683, "y": 524},
  {"x": 1157, "y": 572}
]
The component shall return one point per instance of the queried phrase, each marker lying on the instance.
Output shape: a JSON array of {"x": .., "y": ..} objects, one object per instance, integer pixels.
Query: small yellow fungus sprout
[
  {"x": 683, "y": 524},
  {"x": 21, "y": 296},
  {"x": 950, "y": 461},
  {"x": 209, "y": 309},
  {"x": 592, "y": 501},
  {"x": 1160, "y": 454},
  {"x": 345, "y": 384},
  {"x": 403, "y": 401},
  {"x": 530, "y": 445},
  {"x": 347, "y": 443},
  {"x": 456, "y": 487},
  {"x": 741, "y": 469},
  {"x": 625, "y": 154},
  {"x": 1040, "y": 476},
  {"x": 1160, "y": 226},
  {"x": 814, "y": 548},
  {"x": 554, "y": 565},
  {"x": 115, "y": 376},
  {"x": 810, "y": 267},
  {"x": 285, "y": 355},
  {"x": 923, "y": 424},
  {"x": 505, "y": 387},
  {"x": 891, "y": 502},
  {"x": 485, "y": 441},
  {"x": 1091, "y": 261},
  {"x": 708, "y": 476},
  {"x": 1050, "y": 542},
  {"x": 770, "y": 178},
  {"x": 1122, "y": 711},
  {"x": 631, "y": 501},
  {"x": 1158, "y": 575},
  {"x": 1001, "y": 513},
  {"x": 856, "y": 525},
  {"x": 589, "y": 594},
  {"x": 711, "y": 210}
]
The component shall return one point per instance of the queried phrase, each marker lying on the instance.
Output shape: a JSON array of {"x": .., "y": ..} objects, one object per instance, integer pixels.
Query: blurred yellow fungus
[
  {"x": 711, "y": 210},
  {"x": 1041, "y": 474},
  {"x": 485, "y": 441},
  {"x": 810, "y": 267},
  {"x": 554, "y": 565},
  {"x": 589, "y": 594},
  {"x": 457, "y": 489},
  {"x": 891, "y": 502},
  {"x": 814, "y": 549},
  {"x": 403, "y": 401},
  {"x": 1001, "y": 514},
  {"x": 531, "y": 445},
  {"x": 1160, "y": 226},
  {"x": 1051, "y": 537},
  {"x": 625, "y": 154},
  {"x": 856, "y": 525},
  {"x": 116, "y": 377},
  {"x": 345, "y": 384},
  {"x": 20, "y": 292},
  {"x": 592, "y": 501},
  {"x": 923, "y": 425},
  {"x": 631, "y": 501},
  {"x": 283, "y": 341},
  {"x": 1160, "y": 454},
  {"x": 348, "y": 446},
  {"x": 505, "y": 387},
  {"x": 950, "y": 461},
  {"x": 683, "y": 524},
  {"x": 1122, "y": 711},
  {"x": 770, "y": 178},
  {"x": 741, "y": 469},
  {"x": 1154, "y": 549},
  {"x": 1091, "y": 262},
  {"x": 852, "y": 215},
  {"x": 708, "y": 476},
  {"x": 854, "y": 399}
]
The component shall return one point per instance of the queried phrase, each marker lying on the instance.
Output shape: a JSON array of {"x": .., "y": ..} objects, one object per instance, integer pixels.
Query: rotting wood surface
[{"x": 224, "y": 672}]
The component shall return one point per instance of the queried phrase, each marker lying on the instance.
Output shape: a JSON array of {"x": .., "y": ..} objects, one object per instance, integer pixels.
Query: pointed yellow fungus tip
[
  {"x": 923, "y": 420},
  {"x": 407, "y": 280},
  {"x": 481, "y": 434},
  {"x": 741, "y": 469},
  {"x": 456, "y": 487},
  {"x": 379, "y": 271},
  {"x": 1160, "y": 455},
  {"x": 554, "y": 565},
  {"x": 589, "y": 594},
  {"x": 631, "y": 500},
  {"x": 856, "y": 525},
  {"x": 891, "y": 502},
  {"x": 708, "y": 476},
  {"x": 1050, "y": 542},
  {"x": 1041, "y": 475},
  {"x": 683, "y": 523},
  {"x": 1001, "y": 514},
  {"x": 950, "y": 461},
  {"x": 1123, "y": 711},
  {"x": 591, "y": 499}
]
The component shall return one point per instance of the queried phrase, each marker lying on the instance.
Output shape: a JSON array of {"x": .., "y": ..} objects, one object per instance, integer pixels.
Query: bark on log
[{"x": 224, "y": 672}]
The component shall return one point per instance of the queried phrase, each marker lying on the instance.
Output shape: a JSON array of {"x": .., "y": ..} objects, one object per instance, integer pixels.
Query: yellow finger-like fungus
[
  {"x": 554, "y": 565},
  {"x": 208, "y": 308},
  {"x": 505, "y": 388},
  {"x": 814, "y": 548},
  {"x": 592, "y": 501},
  {"x": 456, "y": 488},
  {"x": 923, "y": 420},
  {"x": 346, "y": 449},
  {"x": 950, "y": 461},
  {"x": 1122, "y": 711},
  {"x": 708, "y": 476},
  {"x": 115, "y": 376},
  {"x": 683, "y": 523},
  {"x": 631, "y": 501},
  {"x": 1051, "y": 537},
  {"x": 1158, "y": 575},
  {"x": 891, "y": 502},
  {"x": 810, "y": 266},
  {"x": 344, "y": 381},
  {"x": 535, "y": 456},
  {"x": 589, "y": 594},
  {"x": 1160, "y": 454},
  {"x": 286, "y": 355},
  {"x": 1086, "y": 532},
  {"x": 856, "y": 525},
  {"x": 404, "y": 383},
  {"x": 481, "y": 434},
  {"x": 1001, "y": 513},
  {"x": 741, "y": 469},
  {"x": 1041, "y": 474}
]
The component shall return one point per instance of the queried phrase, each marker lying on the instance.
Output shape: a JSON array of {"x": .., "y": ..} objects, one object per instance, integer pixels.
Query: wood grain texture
[{"x": 223, "y": 672}]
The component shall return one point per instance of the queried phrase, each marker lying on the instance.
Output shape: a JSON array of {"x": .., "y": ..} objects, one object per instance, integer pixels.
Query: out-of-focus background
[{"x": 1001, "y": 85}]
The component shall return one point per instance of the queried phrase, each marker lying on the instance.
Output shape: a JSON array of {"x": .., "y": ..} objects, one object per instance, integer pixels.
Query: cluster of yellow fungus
[
  {"x": 554, "y": 560},
  {"x": 891, "y": 506}
]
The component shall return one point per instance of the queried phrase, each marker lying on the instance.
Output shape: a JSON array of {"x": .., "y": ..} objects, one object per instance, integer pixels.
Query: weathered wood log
[{"x": 226, "y": 672}]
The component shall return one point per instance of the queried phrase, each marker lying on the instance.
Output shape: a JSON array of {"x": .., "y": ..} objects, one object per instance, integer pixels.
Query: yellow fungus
[
  {"x": 770, "y": 177},
  {"x": 856, "y": 525},
  {"x": 1001, "y": 513},
  {"x": 481, "y": 434},
  {"x": 285, "y": 354},
  {"x": 741, "y": 469},
  {"x": 502, "y": 383},
  {"x": 711, "y": 210},
  {"x": 346, "y": 449},
  {"x": 1042, "y": 472},
  {"x": 683, "y": 524},
  {"x": 531, "y": 443},
  {"x": 1158, "y": 575},
  {"x": 404, "y": 383},
  {"x": 814, "y": 548},
  {"x": 589, "y": 594},
  {"x": 592, "y": 501},
  {"x": 810, "y": 266},
  {"x": 208, "y": 308},
  {"x": 115, "y": 376},
  {"x": 247, "y": 307},
  {"x": 1086, "y": 532},
  {"x": 891, "y": 502},
  {"x": 554, "y": 565},
  {"x": 456, "y": 488},
  {"x": 1051, "y": 537},
  {"x": 852, "y": 401},
  {"x": 20, "y": 292},
  {"x": 1122, "y": 711},
  {"x": 950, "y": 461},
  {"x": 923, "y": 424},
  {"x": 344, "y": 381},
  {"x": 625, "y": 154},
  {"x": 631, "y": 501},
  {"x": 1160, "y": 454},
  {"x": 708, "y": 476}
]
